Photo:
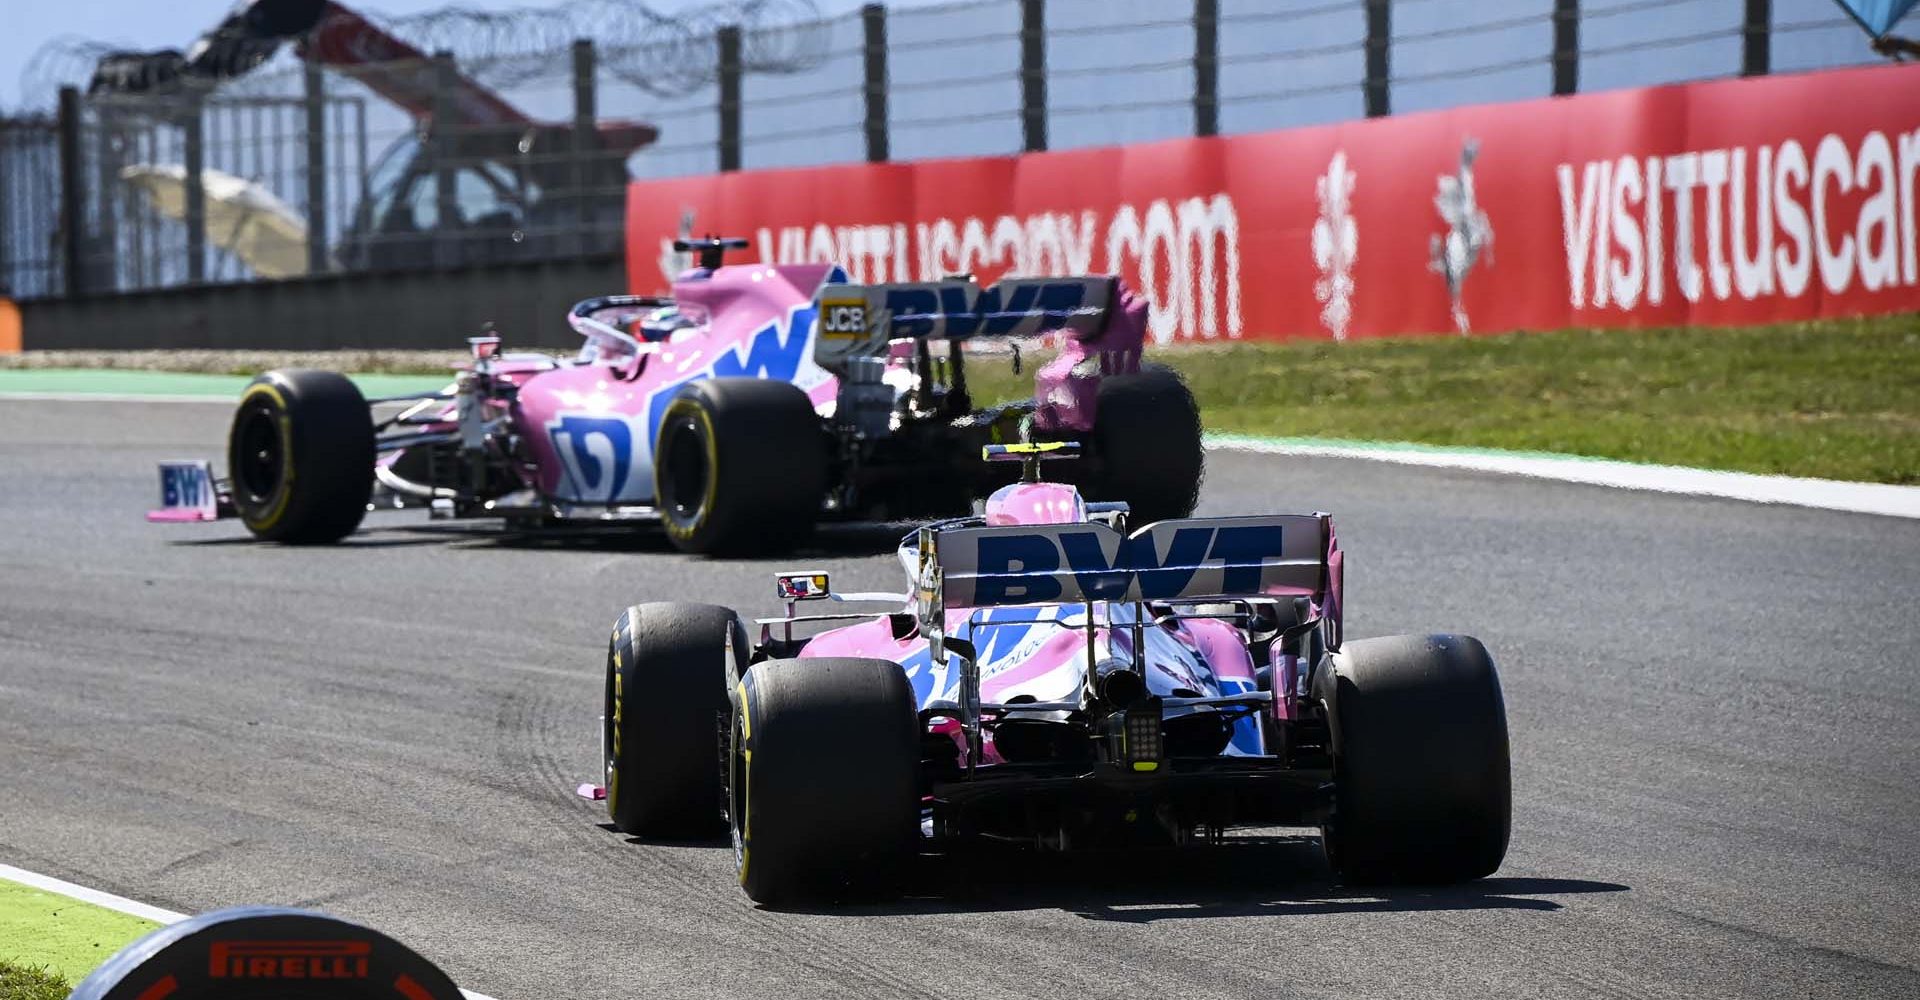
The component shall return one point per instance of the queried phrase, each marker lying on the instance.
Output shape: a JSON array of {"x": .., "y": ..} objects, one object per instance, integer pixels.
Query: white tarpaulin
[{"x": 243, "y": 218}]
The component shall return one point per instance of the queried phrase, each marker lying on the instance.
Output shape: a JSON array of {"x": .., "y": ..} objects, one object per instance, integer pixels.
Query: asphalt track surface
[{"x": 1714, "y": 705}]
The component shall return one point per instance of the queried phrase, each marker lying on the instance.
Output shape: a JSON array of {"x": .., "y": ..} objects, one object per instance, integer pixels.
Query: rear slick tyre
[
  {"x": 1145, "y": 445},
  {"x": 666, "y": 699},
  {"x": 1422, "y": 788},
  {"x": 823, "y": 790}
]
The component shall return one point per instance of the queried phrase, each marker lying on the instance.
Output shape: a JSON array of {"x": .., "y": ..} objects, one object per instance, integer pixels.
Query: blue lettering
[
  {"x": 1244, "y": 549},
  {"x": 576, "y": 437},
  {"x": 169, "y": 487},
  {"x": 1135, "y": 558},
  {"x": 769, "y": 355},
  {"x": 963, "y": 318},
  {"x": 190, "y": 487},
  {"x": 1058, "y": 302},
  {"x": 913, "y": 311},
  {"x": 1016, "y": 569},
  {"x": 1002, "y": 320}
]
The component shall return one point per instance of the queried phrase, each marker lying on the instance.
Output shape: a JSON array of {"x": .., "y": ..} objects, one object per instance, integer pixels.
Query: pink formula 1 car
[
  {"x": 1057, "y": 681},
  {"x": 754, "y": 402}
]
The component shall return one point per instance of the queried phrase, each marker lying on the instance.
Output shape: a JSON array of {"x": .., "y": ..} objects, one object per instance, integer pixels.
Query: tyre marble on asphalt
[{"x": 1714, "y": 707}]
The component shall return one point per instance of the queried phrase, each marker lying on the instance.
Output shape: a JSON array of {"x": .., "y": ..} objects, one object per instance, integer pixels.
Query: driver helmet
[{"x": 662, "y": 323}]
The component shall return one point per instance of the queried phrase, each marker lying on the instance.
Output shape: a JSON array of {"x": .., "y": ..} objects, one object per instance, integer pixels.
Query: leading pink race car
[
  {"x": 1057, "y": 681},
  {"x": 755, "y": 401}
]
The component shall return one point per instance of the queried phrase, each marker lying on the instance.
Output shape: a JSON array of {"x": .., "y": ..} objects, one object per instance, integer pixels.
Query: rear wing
[
  {"x": 860, "y": 320},
  {"x": 1277, "y": 555}
]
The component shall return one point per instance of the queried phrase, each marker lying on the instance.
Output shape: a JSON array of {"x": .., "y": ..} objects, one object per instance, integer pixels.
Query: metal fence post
[
  {"x": 72, "y": 219},
  {"x": 1206, "y": 67},
  {"x": 104, "y": 268},
  {"x": 1033, "y": 75},
  {"x": 194, "y": 152},
  {"x": 445, "y": 194},
  {"x": 1379, "y": 46},
  {"x": 873, "y": 17},
  {"x": 316, "y": 98},
  {"x": 1566, "y": 46},
  {"x": 9, "y": 153},
  {"x": 730, "y": 70},
  {"x": 1757, "y": 43},
  {"x": 585, "y": 143}
]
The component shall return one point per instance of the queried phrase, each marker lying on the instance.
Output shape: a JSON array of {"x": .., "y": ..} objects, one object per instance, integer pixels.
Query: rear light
[{"x": 1141, "y": 748}]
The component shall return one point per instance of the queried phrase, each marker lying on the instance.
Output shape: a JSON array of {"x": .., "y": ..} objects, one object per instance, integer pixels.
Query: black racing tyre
[
  {"x": 666, "y": 701},
  {"x": 300, "y": 456},
  {"x": 823, "y": 785},
  {"x": 740, "y": 466},
  {"x": 1145, "y": 446},
  {"x": 1422, "y": 790}
]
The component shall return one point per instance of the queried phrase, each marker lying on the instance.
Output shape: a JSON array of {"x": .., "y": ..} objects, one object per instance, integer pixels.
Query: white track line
[
  {"x": 1824, "y": 494},
  {"x": 120, "y": 904},
  {"x": 48, "y": 883}
]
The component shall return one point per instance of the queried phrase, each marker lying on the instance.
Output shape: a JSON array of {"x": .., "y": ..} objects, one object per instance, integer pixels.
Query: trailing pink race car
[
  {"x": 1056, "y": 681},
  {"x": 754, "y": 402}
]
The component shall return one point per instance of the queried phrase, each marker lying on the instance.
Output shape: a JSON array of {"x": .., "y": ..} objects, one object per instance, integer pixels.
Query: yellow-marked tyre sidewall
[
  {"x": 618, "y": 655},
  {"x": 740, "y": 778},
  {"x": 687, "y": 408},
  {"x": 276, "y": 507}
]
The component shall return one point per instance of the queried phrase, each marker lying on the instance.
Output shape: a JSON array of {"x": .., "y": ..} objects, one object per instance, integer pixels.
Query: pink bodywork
[
  {"x": 752, "y": 312},
  {"x": 1066, "y": 389},
  {"x": 1049, "y": 663},
  {"x": 740, "y": 303}
]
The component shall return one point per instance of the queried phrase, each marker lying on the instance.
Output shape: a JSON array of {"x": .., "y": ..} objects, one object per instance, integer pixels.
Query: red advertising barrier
[{"x": 1725, "y": 203}]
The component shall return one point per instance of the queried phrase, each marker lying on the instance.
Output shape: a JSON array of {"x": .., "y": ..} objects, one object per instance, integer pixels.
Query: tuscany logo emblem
[
  {"x": 1336, "y": 241},
  {"x": 1469, "y": 235}
]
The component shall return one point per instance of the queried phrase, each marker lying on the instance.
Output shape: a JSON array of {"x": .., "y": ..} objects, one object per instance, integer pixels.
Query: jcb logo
[{"x": 843, "y": 319}]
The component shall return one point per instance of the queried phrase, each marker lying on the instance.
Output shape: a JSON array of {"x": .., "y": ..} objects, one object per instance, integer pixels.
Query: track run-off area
[{"x": 1715, "y": 714}]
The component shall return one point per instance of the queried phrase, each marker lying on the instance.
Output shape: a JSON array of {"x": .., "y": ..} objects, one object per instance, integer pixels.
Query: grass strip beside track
[
  {"x": 20, "y": 982},
  {"x": 43, "y": 935},
  {"x": 1837, "y": 399}
]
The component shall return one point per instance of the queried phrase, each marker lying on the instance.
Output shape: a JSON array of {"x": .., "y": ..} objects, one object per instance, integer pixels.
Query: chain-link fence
[{"x": 352, "y": 160}]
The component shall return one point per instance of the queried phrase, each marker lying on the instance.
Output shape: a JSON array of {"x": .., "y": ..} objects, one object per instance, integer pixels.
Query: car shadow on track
[
  {"x": 1269, "y": 876},
  {"x": 697, "y": 843}
]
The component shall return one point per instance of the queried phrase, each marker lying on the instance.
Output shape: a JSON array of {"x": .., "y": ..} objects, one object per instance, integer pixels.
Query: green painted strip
[
  {"x": 127, "y": 382},
  {"x": 39, "y": 928}
]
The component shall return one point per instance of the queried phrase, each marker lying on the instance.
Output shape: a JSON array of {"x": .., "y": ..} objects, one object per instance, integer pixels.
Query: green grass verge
[
  {"x": 46, "y": 936},
  {"x": 1834, "y": 399},
  {"x": 20, "y": 982}
]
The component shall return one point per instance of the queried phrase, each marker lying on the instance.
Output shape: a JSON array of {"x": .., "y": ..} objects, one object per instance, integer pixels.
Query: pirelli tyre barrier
[{"x": 248, "y": 953}]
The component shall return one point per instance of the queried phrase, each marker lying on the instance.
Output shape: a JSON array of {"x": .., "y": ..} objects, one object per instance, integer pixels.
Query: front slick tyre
[
  {"x": 300, "y": 456},
  {"x": 740, "y": 467},
  {"x": 1421, "y": 783},
  {"x": 666, "y": 697},
  {"x": 824, "y": 779}
]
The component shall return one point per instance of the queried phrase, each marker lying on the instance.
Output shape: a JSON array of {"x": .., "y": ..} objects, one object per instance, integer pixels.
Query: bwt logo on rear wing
[
  {"x": 1272, "y": 555},
  {"x": 859, "y": 320}
]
